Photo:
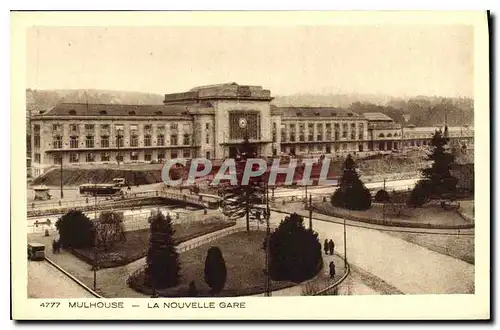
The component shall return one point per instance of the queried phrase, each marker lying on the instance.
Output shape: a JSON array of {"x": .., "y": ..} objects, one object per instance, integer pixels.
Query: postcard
[{"x": 250, "y": 165}]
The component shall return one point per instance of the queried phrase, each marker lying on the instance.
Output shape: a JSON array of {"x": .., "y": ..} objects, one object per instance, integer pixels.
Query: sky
[{"x": 397, "y": 60}]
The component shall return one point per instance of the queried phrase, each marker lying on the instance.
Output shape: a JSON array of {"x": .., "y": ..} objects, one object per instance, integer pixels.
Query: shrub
[
  {"x": 294, "y": 251},
  {"x": 382, "y": 196},
  {"x": 420, "y": 194},
  {"x": 215, "y": 270},
  {"x": 76, "y": 230}
]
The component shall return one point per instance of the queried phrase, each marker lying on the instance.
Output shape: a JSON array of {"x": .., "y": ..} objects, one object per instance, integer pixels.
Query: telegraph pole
[
  {"x": 345, "y": 247},
  {"x": 310, "y": 212},
  {"x": 94, "y": 268},
  {"x": 62, "y": 193},
  {"x": 268, "y": 233}
]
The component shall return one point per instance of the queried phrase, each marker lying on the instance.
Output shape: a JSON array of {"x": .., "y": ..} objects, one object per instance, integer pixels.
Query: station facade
[{"x": 212, "y": 121}]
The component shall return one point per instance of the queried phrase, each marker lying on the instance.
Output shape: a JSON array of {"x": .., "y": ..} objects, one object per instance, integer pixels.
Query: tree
[
  {"x": 294, "y": 251},
  {"x": 215, "y": 270},
  {"x": 351, "y": 193},
  {"x": 192, "y": 291},
  {"x": 239, "y": 200},
  {"x": 382, "y": 196},
  {"x": 109, "y": 229},
  {"x": 163, "y": 265},
  {"x": 76, "y": 230},
  {"x": 437, "y": 181}
]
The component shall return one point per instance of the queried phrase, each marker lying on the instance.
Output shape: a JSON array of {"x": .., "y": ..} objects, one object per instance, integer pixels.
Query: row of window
[
  {"x": 105, "y": 157},
  {"x": 134, "y": 141},
  {"x": 319, "y": 136},
  {"x": 327, "y": 149},
  {"x": 118, "y": 127}
]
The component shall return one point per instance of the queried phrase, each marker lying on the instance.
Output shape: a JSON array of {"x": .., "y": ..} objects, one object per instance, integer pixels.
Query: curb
[
  {"x": 92, "y": 292},
  {"x": 334, "y": 285}
]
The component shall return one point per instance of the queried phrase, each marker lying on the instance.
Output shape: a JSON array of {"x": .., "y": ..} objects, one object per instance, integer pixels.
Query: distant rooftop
[
  {"x": 232, "y": 91},
  {"x": 317, "y": 112},
  {"x": 92, "y": 109},
  {"x": 377, "y": 116}
]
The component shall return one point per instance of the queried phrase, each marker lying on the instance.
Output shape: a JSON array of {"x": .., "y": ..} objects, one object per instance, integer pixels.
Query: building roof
[
  {"x": 376, "y": 116},
  {"x": 316, "y": 112},
  {"x": 92, "y": 109}
]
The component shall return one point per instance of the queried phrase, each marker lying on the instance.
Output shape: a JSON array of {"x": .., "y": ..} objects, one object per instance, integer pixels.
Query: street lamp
[
  {"x": 345, "y": 247},
  {"x": 268, "y": 233},
  {"x": 62, "y": 193}
]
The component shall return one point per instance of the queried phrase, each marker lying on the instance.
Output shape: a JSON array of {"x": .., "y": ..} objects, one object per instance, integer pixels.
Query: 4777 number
[{"x": 50, "y": 304}]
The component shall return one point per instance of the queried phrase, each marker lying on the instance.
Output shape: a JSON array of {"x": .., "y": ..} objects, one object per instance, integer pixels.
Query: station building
[{"x": 211, "y": 121}]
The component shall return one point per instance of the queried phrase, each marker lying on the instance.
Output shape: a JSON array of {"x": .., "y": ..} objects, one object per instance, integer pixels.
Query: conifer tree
[
  {"x": 163, "y": 265},
  {"x": 240, "y": 200},
  {"x": 351, "y": 193}
]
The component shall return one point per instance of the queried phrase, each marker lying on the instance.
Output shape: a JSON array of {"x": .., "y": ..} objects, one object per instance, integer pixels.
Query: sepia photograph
[{"x": 222, "y": 166}]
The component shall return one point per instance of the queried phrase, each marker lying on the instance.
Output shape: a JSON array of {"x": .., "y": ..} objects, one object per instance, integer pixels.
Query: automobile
[{"x": 36, "y": 251}]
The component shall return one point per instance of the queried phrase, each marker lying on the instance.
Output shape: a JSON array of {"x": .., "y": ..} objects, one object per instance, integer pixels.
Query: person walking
[
  {"x": 54, "y": 246},
  {"x": 332, "y": 269},
  {"x": 331, "y": 246},
  {"x": 325, "y": 246}
]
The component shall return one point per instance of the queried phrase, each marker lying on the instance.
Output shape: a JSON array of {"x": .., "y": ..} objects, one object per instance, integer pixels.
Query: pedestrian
[
  {"x": 325, "y": 246},
  {"x": 58, "y": 246},
  {"x": 54, "y": 247},
  {"x": 331, "y": 247},
  {"x": 332, "y": 269}
]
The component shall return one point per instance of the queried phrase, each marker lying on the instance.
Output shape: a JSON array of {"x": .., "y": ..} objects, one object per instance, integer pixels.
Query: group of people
[
  {"x": 328, "y": 246},
  {"x": 56, "y": 246}
]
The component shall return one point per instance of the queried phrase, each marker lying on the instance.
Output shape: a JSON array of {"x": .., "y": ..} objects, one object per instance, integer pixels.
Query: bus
[{"x": 102, "y": 189}]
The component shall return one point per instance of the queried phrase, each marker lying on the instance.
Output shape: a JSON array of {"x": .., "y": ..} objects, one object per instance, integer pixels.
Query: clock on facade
[{"x": 242, "y": 122}]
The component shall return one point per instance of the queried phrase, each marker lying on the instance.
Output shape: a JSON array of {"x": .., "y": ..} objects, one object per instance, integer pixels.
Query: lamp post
[
  {"x": 96, "y": 261},
  {"x": 310, "y": 212},
  {"x": 62, "y": 193},
  {"x": 268, "y": 233},
  {"x": 345, "y": 246}
]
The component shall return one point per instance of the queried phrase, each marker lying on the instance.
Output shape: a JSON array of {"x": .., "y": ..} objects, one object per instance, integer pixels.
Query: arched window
[
  {"x": 72, "y": 112},
  {"x": 132, "y": 113},
  {"x": 389, "y": 135},
  {"x": 103, "y": 112},
  {"x": 381, "y": 135}
]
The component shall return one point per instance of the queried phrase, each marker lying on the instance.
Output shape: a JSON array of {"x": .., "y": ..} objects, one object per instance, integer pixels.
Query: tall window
[
  {"x": 160, "y": 140},
  {"x": 186, "y": 153},
  {"x": 344, "y": 130},
  {"x": 161, "y": 156},
  {"x": 173, "y": 139},
  {"x": 310, "y": 130},
  {"x": 147, "y": 140},
  {"x": 105, "y": 157},
  {"x": 89, "y": 127},
  {"x": 134, "y": 156},
  {"x": 173, "y": 154},
  {"x": 36, "y": 136},
  {"x": 73, "y": 142},
  {"x": 57, "y": 159},
  {"x": 292, "y": 132},
  {"x": 328, "y": 132},
  {"x": 147, "y": 157},
  {"x": 57, "y": 142},
  {"x": 89, "y": 141},
  {"x": 283, "y": 133},
  {"x": 89, "y": 157},
  {"x": 56, "y": 127},
  {"x": 353, "y": 131},
  {"x": 104, "y": 141},
  {"x": 37, "y": 158},
  {"x": 274, "y": 132},
  {"x": 73, "y": 157},
  {"x": 185, "y": 141},
  {"x": 301, "y": 132},
  {"x": 319, "y": 132},
  {"x": 134, "y": 141},
  {"x": 207, "y": 137}
]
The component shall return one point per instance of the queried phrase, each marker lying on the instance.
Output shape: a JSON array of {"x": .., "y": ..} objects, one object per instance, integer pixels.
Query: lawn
[
  {"x": 245, "y": 262},
  {"x": 136, "y": 243},
  {"x": 459, "y": 247},
  {"x": 428, "y": 216}
]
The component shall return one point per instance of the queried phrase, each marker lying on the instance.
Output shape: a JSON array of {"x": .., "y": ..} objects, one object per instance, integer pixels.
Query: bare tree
[{"x": 109, "y": 230}]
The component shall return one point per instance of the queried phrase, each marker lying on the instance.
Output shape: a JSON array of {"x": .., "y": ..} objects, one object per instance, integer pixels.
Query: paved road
[
  {"x": 45, "y": 281},
  {"x": 406, "y": 267}
]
